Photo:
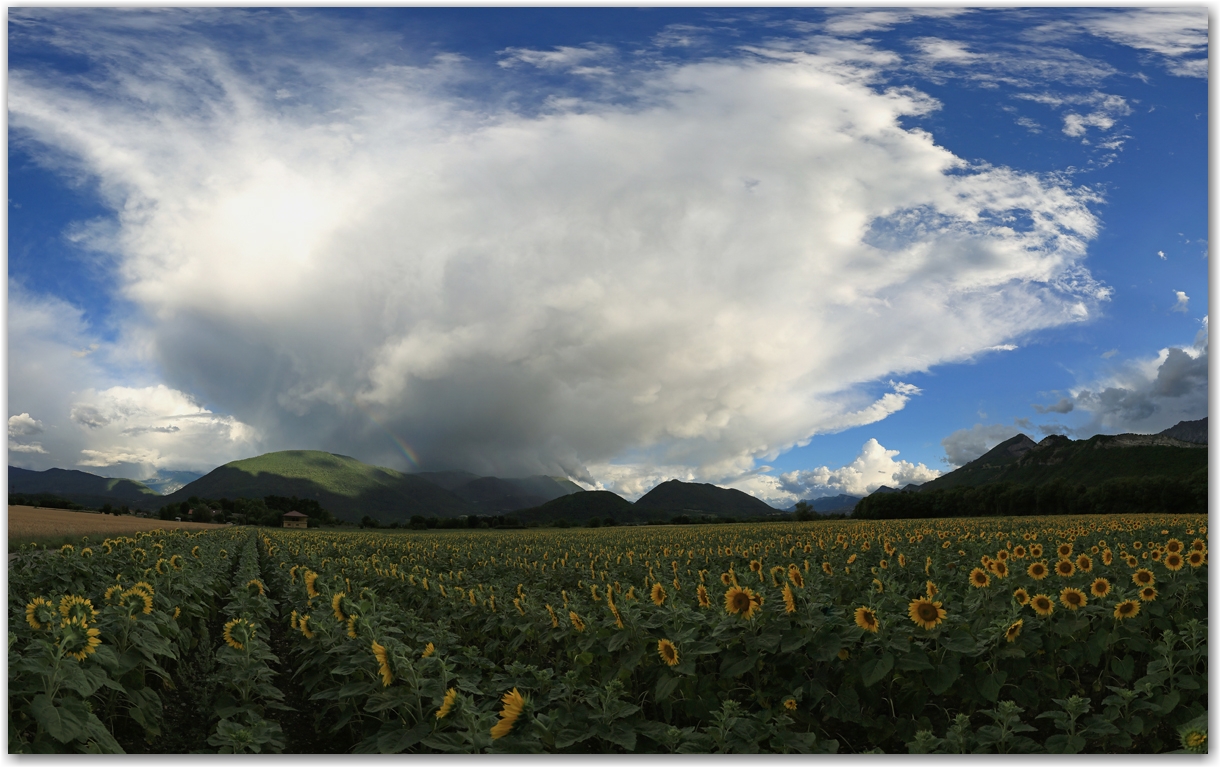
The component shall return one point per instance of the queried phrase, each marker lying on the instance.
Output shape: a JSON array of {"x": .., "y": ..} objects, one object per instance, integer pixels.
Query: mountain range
[{"x": 351, "y": 489}]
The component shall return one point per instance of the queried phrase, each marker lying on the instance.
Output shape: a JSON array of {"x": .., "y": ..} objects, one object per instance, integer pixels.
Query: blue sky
[{"x": 795, "y": 251}]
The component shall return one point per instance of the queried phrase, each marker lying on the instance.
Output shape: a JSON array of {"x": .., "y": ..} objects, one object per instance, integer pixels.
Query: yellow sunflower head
[
  {"x": 668, "y": 652},
  {"x": 1064, "y": 551},
  {"x": 658, "y": 594},
  {"x": 39, "y": 613},
  {"x": 1148, "y": 594},
  {"x": 925, "y": 613},
  {"x": 1022, "y": 597},
  {"x": 789, "y": 599},
  {"x": 238, "y": 633},
  {"x": 979, "y": 578},
  {"x": 1100, "y": 587},
  {"x": 1042, "y": 605},
  {"x": 1128, "y": 608},
  {"x": 78, "y": 640},
  {"x": 1036, "y": 570},
  {"x": 704, "y": 599},
  {"x": 1065, "y": 568},
  {"x": 383, "y": 664},
  {"x": 77, "y": 608},
  {"x": 514, "y": 704},
  {"x": 1014, "y": 630},
  {"x": 1143, "y": 577},
  {"x": 448, "y": 703},
  {"x": 1072, "y": 599},
  {"x": 740, "y": 601},
  {"x": 866, "y": 619},
  {"x": 1173, "y": 561}
]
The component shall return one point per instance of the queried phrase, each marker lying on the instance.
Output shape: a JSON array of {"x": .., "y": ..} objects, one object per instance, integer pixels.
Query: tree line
[{"x": 1123, "y": 495}]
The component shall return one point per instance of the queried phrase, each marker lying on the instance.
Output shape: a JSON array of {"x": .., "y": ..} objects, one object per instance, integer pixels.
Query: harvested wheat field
[{"x": 29, "y": 523}]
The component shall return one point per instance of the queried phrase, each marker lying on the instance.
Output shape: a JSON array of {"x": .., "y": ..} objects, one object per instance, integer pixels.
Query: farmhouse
[{"x": 296, "y": 519}]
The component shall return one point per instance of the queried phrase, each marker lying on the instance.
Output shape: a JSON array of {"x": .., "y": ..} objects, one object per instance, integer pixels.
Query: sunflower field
[{"x": 1003, "y": 635}]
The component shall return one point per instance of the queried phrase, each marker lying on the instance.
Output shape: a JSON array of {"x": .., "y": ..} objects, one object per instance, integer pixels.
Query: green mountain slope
[
  {"x": 80, "y": 487},
  {"x": 1079, "y": 462},
  {"x": 578, "y": 508},
  {"x": 346, "y": 487},
  {"x": 690, "y": 498}
]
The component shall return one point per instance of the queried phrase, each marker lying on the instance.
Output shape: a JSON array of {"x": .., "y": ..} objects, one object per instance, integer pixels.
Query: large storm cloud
[{"x": 693, "y": 265}]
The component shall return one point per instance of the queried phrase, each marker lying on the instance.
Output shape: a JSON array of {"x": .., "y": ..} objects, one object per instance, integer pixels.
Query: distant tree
[
  {"x": 367, "y": 521},
  {"x": 561, "y": 523},
  {"x": 803, "y": 512},
  {"x": 609, "y": 522},
  {"x": 593, "y": 522}
]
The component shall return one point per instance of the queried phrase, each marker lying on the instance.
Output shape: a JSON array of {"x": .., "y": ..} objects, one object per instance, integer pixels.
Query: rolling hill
[
  {"x": 347, "y": 488},
  {"x": 676, "y": 497},
  {"x": 579, "y": 508},
  {"x": 81, "y": 487}
]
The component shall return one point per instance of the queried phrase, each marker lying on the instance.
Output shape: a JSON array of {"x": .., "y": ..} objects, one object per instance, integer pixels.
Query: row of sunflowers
[{"x": 1070, "y": 635}]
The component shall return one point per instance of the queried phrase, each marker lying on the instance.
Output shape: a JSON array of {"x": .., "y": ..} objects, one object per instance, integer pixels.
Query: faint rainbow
[{"x": 407, "y": 451}]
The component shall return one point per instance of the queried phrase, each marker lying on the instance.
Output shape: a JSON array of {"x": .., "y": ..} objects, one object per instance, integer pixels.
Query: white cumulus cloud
[
  {"x": 511, "y": 292},
  {"x": 873, "y": 467}
]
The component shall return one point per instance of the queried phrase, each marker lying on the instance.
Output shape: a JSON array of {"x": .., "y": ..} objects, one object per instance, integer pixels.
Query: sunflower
[
  {"x": 1018, "y": 552},
  {"x": 704, "y": 599},
  {"x": 1022, "y": 597},
  {"x": 790, "y": 704},
  {"x": 1107, "y": 557},
  {"x": 1194, "y": 738},
  {"x": 1001, "y": 555},
  {"x": 176, "y": 561},
  {"x": 238, "y": 633},
  {"x": 979, "y": 578},
  {"x": 826, "y": 568},
  {"x": 1064, "y": 551},
  {"x": 1084, "y": 563},
  {"x": 1000, "y": 569},
  {"x": 794, "y": 575},
  {"x": 931, "y": 589},
  {"x": 195, "y": 552},
  {"x": 866, "y": 619},
  {"x": 177, "y": 612},
  {"x": 160, "y": 567},
  {"x": 1073, "y": 599},
  {"x": 1195, "y": 558},
  {"x": 789, "y": 599},
  {"x": 549, "y": 609},
  {"x": 1126, "y": 609},
  {"x": 1036, "y": 570},
  {"x": 310, "y": 579},
  {"x": 880, "y": 586},
  {"x": 844, "y": 654},
  {"x": 1148, "y": 594},
  {"x": 67, "y": 549},
  {"x": 253, "y": 585},
  {"x": 725, "y": 579},
  {"x": 39, "y": 613},
  {"x": 303, "y": 625},
  {"x": 740, "y": 601},
  {"x": 1142, "y": 577},
  {"x": 137, "y": 601},
  {"x": 1065, "y": 568},
  {"x": 1100, "y": 588},
  {"x": 1042, "y": 605},
  {"x": 383, "y": 664},
  {"x": 514, "y": 703},
  {"x": 902, "y": 560},
  {"x": 1014, "y": 630},
  {"x": 78, "y": 640},
  {"x": 577, "y": 623},
  {"x": 658, "y": 594},
  {"x": 1173, "y": 561},
  {"x": 1198, "y": 544},
  {"x": 926, "y": 613},
  {"x": 77, "y": 607},
  {"x": 1035, "y": 550},
  {"x": 447, "y": 703},
  {"x": 668, "y": 652}
]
